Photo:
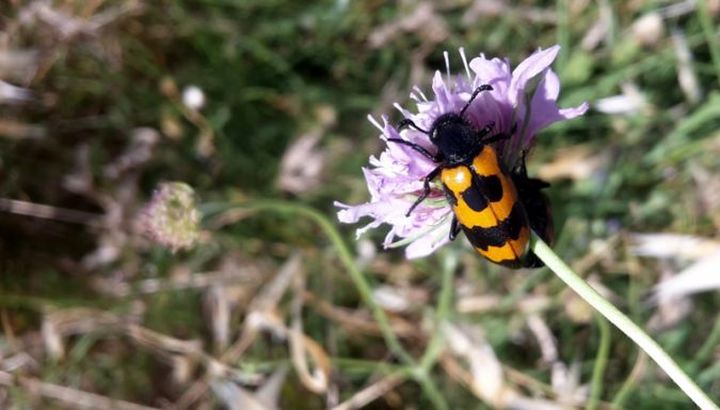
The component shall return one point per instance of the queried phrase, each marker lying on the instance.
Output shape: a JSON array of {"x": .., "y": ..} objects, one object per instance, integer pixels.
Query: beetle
[
  {"x": 486, "y": 199},
  {"x": 537, "y": 208}
]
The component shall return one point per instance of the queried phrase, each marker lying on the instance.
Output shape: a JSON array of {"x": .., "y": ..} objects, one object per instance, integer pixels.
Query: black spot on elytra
[
  {"x": 499, "y": 234},
  {"x": 475, "y": 198},
  {"x": 484, "y": 189},
  {"x": 491, "y": 187}
]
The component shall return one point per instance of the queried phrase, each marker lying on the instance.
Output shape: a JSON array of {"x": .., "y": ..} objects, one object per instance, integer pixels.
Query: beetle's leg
[
  {"x": 426, "y": 188},
  {"x": 454, "y": 228},
  {"x": 496, "y": 138},
  {"x": 520, "y": 169},
  {"x": 416, "y": 147},
  {"x": 407, "y": 122},
  {"x": 486, "y": 130}
]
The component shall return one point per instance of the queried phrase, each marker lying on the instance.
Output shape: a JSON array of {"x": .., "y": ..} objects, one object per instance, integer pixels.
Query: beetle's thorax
[{"x": 455, "y": 138}]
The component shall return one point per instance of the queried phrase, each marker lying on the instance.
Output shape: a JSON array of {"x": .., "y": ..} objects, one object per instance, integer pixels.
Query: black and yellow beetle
[
  {"x": 537, "y": 208},
  {"x": 496, "y": 209}
]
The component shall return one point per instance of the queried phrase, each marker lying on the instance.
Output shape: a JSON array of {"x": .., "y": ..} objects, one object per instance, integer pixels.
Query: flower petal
[
  {"x": 424, "y": 246},
  {"x": 443, "y": 97},
  {"x": 490, "y": 71},
  {"x": 574, "y": 112},
  {"x": 528, "y": 69},
  {"x": 544, "y": 110},
  {"x": 429, "y": 243}
]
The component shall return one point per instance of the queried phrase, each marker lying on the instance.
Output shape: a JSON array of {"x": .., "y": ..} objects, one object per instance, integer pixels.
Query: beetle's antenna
[
  {"x": 407, "y": 122},
  {"x": 484, "y": 87}
]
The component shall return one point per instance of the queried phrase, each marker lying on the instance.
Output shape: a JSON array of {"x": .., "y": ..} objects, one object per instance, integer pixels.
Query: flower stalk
[{"x": 622, "y": 322}]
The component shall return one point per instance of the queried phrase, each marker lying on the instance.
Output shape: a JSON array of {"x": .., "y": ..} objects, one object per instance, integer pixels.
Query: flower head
[
  {"x": 170, "y": 218},
  {"x": 521, "y": 103}
]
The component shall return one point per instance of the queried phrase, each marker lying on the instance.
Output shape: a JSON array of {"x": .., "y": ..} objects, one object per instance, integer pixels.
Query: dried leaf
[
  {"x": 266, "y": 397},
  {"x": 218, "y": 313},
  {"x": 300, "y": 344},
  {"x": 567, "y": 386},
  {"x": 235, "y": 397},
  {"x": 302, "y": 164},
  {"x": 671, "y": 309},
  {"x": 687, "y": 77},
  {"x": 577, "y": 163},
  {"x": 544, "y": 337},
  {"x": 649, "y": 29},
  {"x": 701, "y": 276},
  {"x": 631, "y": 102},
  {"x": 487, "y": 382},
  {"x": 423, "y": 20},
  {"x": 669, "y": 245}
]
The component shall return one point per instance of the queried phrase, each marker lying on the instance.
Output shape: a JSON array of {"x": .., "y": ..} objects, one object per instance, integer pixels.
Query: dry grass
[{"x": 262, "y": 314}]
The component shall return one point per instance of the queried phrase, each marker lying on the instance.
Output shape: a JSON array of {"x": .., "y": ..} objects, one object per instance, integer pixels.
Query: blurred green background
[{"x": 118, "y": 96}]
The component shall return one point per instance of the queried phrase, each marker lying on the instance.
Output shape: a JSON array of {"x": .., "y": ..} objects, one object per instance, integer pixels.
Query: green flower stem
[
  {"x": 704, "y": 353},
  {"x": 430, "y": 390},
  {"x": 600, "y": 362},
  {"x": 436, "y": 344},
  {"x": 622, "y": 322},
  {"x": 419, "y": 373},
  {"x": 344, "y": 254},
  {"x": 710, "y": 374}
]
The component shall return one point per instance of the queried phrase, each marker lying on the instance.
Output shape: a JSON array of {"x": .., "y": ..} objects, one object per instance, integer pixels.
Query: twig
[
  {"x": 17, "y": 207},
  {"x": 75, "y": 398},
  {"x": 372, "y": 392}
]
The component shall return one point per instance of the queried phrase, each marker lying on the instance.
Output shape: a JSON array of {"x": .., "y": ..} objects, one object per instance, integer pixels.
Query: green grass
[{"x": 273, "y": 71}]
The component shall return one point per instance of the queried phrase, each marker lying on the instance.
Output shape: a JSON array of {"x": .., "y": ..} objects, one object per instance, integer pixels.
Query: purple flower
[{"x": 522, "y": 102}]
